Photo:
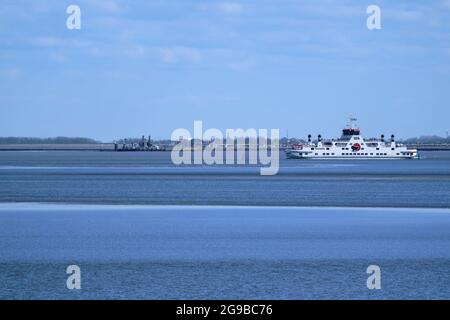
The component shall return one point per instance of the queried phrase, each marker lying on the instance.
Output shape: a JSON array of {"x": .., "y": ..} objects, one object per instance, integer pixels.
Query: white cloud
[
  {"x": 178, "y": 54},
  {"x": 96, "y": 52},
  {"x": 47, "y": 41},
  {"x": 135, "y": 51},
  {"x": 404, "y": 14},
  {"x": 242, "y": 65},
  {"x": 111, "y": 6},
  {"x": 230, "y": 7},
  {"x": 58, "y": 57},
  {"x": 11, "y": 73}
]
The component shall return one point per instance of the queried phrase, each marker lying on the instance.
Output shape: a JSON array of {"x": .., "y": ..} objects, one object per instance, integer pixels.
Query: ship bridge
[
  {"x": 351, "y": 129},
  {"x": 350, "y": 132}
]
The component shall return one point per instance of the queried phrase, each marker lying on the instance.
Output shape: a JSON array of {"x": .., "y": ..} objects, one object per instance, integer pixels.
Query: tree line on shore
[{"x": 54, "y": 140}]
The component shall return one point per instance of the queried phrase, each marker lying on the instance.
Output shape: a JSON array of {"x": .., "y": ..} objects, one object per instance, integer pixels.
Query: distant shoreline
[
  {"x": 58, "y": 147},
  {"x": 111, "y": 147}
]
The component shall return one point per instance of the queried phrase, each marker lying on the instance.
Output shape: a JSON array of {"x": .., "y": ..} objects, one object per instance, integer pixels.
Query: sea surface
[{"x": 141, "y": 228}]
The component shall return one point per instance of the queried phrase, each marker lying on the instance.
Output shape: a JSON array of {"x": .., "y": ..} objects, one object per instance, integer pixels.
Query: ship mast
[{"x": 352, "y": 122}]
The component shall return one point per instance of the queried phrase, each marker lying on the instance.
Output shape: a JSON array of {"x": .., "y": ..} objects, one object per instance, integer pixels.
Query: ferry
[{"x": 351, "y": 145}]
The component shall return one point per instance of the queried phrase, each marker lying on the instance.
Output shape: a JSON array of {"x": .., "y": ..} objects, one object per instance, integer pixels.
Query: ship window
[
  {"x": 316, "y": 154},
  {"x": 378, "y": 154},
  {"x": 385, "y": 154},
  {"x": 332, "y": 154},
  {"x": 355, "y": 138},
  {"x": 312, "y": 148},
  {"x": 378, "y": 148},
  {"x": 392, "y": 148},
  {"x": 398, "y": 154},
  {"x": 371, "y": 154}
]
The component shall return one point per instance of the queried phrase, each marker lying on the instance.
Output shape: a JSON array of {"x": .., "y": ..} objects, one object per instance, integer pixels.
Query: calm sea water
[
  {"x": 150, "y": 178},
  {"x": 139, "y": 227}
]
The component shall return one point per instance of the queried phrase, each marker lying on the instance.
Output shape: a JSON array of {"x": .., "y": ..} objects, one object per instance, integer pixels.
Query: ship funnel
[
  {"x": 309, "y": 138},
  {"x": 382, "y": 137},
  {"x": 392, "y": 138},
  {"x": 319, "y": 137}
]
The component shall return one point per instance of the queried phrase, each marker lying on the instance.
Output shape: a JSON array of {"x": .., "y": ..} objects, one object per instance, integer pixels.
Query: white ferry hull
[
  {"x": 351, "y": 146},
  {"x": 293, "y": 156}
]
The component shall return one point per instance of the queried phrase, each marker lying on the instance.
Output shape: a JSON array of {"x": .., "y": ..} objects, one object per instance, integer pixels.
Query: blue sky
[{"x": 149, "y": 67}]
